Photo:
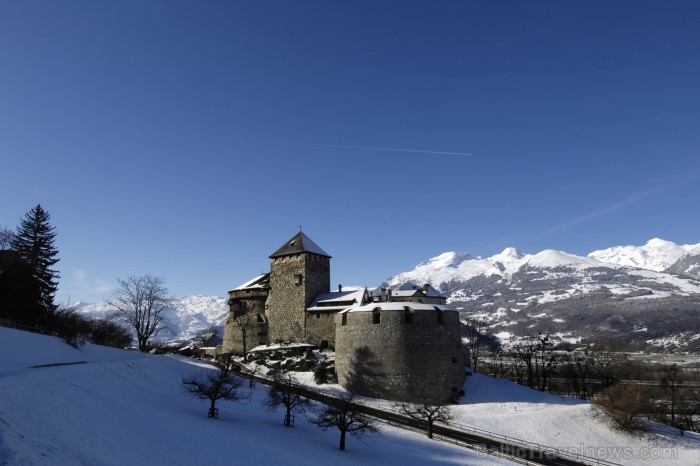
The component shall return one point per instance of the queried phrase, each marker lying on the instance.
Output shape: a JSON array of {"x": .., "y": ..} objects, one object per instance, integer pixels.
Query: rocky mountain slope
[{"x": 647, "y": 296}]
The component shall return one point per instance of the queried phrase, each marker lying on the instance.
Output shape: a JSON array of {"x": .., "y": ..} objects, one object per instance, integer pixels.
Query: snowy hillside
[
  {"x": 127, "y": 408},
  {"x": 688, "y": 264},
  {"x": 116, "y": 407},
  {"x": 189, "y": 315}
]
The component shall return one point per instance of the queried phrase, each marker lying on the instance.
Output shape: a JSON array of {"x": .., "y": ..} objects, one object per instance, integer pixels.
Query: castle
[{"x": 400, "y": 344}]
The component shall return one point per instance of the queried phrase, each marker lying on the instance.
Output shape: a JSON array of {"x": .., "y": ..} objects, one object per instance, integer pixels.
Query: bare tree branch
[
  {"x": 213, "y": 386},
  {"x": 346, "y": 418},
  {"x": 429, "y": 410},
  {"x": 141, "y": 303}
]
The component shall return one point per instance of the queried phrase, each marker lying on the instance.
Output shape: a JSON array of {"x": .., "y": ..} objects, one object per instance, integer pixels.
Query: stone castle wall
[
  {"x": 295, "y": 280},
  {"x": 397, "y": 360},
  {"x": 251, "y": 312},
  {"x": 320, "y": 328}
]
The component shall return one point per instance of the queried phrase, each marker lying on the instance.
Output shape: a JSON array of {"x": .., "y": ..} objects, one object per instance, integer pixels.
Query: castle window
[
  {"x": 408, "y": 314},
  {"x": 344, "y": 319},
  {"x": 300, "y": 279},
  {"x": 440, "y": 316},
  {"x": 454, "y": 360},
  {"x": 318, "y": 315},
  {"x": 376, "y": 316}
]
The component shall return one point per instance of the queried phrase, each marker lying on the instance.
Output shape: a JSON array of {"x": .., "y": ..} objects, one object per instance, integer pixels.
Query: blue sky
[{"x": 191, "y": 139}]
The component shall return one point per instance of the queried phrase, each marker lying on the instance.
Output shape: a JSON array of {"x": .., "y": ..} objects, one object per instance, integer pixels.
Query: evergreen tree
[{"x": 34, "y": 245}]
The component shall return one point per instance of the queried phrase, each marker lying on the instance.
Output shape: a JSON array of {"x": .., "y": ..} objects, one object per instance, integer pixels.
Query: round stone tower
[
  {"x": 401, "y": 351},
  {"x": 299, "y": 271}
]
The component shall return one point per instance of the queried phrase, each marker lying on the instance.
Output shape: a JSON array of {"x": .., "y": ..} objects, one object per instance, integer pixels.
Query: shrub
[
  {"x": 321, "y": 374},
  {"x": 625, "y": 404}
]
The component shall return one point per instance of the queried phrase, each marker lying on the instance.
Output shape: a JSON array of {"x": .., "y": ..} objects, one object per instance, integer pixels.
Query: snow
[
  {"x": 505, "y": 408},
  {"x": 657, "y": 254},
  {"x": 124, "y": 407},
  {"x": 552, "y": 258},
  {"x": 250, "y": 282},
  {"x": 119, "y": 407},
  {"x": 189, "y": 315}
]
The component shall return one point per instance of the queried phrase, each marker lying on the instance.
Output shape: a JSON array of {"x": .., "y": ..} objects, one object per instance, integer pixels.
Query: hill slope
[{"x": 122, "y": 407}]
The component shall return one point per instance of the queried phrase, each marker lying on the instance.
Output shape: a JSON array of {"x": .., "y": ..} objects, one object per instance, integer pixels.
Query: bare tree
[
  {"x": 213, "y": 386},
  {"x": 671, "y": 382},
  {"x": 284, "y": 392},
  {"x": 6, "y": 237},
  {"x": 475, "y": 329},
  {"x": 345, "y": 416},
  {"x": 141, "y": 302},
  {"x": 429, "y": 410},
  {"x": 610, "y": 361},
  {"x": 577, "y": 369},
  {"x": 536, "y": 352},
  {"x": 242, "y": 322}
]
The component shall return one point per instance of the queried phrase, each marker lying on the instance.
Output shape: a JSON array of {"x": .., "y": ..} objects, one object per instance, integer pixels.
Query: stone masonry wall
[
  {"x": 246, "y": 306},
  {"x": 321, "y": 327},
  {"x": 294, "y": 282},
  {"x": 397, "y": 360}
]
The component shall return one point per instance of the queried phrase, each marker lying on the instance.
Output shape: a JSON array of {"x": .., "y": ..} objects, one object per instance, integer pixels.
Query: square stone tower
[{"x": 299, "y": 271}]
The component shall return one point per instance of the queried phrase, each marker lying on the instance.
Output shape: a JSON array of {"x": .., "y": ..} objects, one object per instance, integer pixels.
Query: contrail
[
  {"x": 633, "y": 199},
  {"x": 341, "y": 146}
]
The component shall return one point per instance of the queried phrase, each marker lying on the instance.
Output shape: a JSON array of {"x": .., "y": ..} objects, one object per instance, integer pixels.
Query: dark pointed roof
[{"x": 299, "y": 244}]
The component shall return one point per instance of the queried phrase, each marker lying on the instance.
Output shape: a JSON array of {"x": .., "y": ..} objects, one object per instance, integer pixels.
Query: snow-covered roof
[
  {"x": 337, "y": 300},
  {"x": 426, "y": 290},
  {"x": 279, "y": 346},
  {"x": 400, "y": 306},
  {"x": 261, "y": 281},
  {"x": 298, "y": 244}
]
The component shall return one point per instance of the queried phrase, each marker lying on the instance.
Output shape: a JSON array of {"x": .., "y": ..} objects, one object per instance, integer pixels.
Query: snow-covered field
[
  {"x": 126, "y": 408},
  {"x": 123, "y": 407}
]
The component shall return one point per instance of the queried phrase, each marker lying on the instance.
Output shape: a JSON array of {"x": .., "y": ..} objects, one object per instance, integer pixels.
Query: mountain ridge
[{"x": 577, "y": 298}]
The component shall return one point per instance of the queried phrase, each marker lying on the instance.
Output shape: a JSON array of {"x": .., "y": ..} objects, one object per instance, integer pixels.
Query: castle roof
[
  {"x": 425, "y": 290},
  {"x": 259, "y": 282},
  {"x": 339, "y": 300},
  {"x": 299, "y": 244}
]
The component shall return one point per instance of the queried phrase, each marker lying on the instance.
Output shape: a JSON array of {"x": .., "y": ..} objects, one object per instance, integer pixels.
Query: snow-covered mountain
[
  {"x": 188, "y": 314},
  {"x": 649, "y": 294},
  {"x": 656, "y": 254},
  {"x": 688, "y": 264},
  {"x": 654, "y": 301}
]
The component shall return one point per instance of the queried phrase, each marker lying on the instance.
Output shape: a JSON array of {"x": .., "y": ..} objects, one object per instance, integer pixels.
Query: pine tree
[{"x": 34, "y": 245}]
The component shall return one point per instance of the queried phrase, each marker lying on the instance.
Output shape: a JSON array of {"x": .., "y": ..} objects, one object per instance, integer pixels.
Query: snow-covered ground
[
  {"x": 503, "y": 407},
  {"x": 124, "y": 407}
]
